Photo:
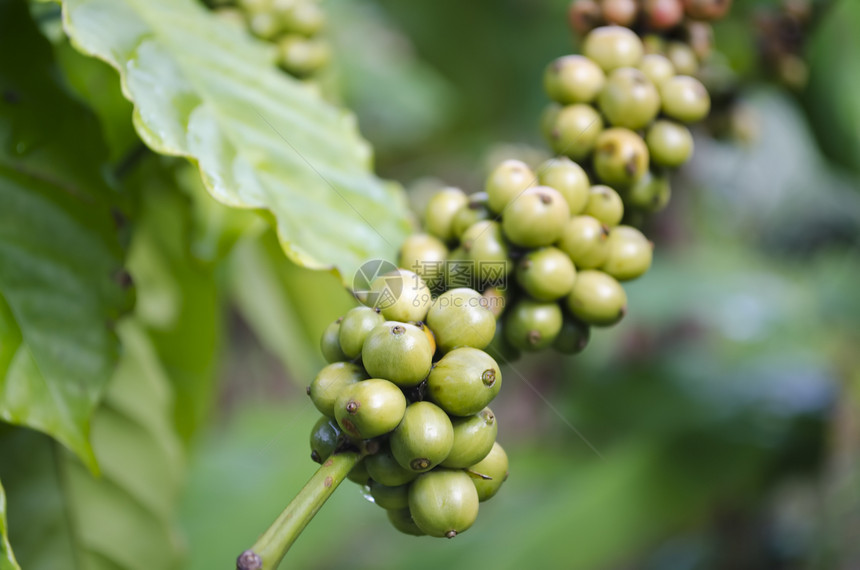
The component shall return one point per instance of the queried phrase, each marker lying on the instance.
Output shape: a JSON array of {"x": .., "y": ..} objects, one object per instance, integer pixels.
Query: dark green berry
[
  {"x": 584, "y": 241},
  {"x": 670, "y": 144},
  {"x": 575, "y": 130},
  {"x": 330, "y": 381},
  {"x": 389, "y": 497},
  {"x": 354, "y": 328},
  {"x": 569, "y": 179},
  {"x": 425, "y": 255},
  {"x": 424, "y": 437},
  {"x": 443, "y": 502},
  {"x": 574, "y": 336},
  {"x": 369, "y": 408},
  {"x": 657, "y": 68},
  {"x": 506, "y": 182},
  {"x": 536, "y": 218},
  {"x": 533, "y": 325},
  {"x": 326, "y": 438},
  {"x": 629, "y": 99},
  {"x": 620, "y": 157},
  {"x": 401, "y": 519},
  {"x": 573, "y": 79},
  {"x": 488, "y": 474},
  {"x": 546, "y": 274},
  {"x": 473, "y": 439},
  {"x": 612, "y": 47},
  {"x": 330, "y": 343},
  {"x": 685, "y": 99},
  {"x": 358, "y": 474},
  {"x": 605, "y": 205},
  {"x": 629, "y": 253},
  {"x": 597, "y": 299},
  {"x": 383, "y": 468},
  {"x": 464, "y": 381},
  {"x": 650, "y": 194},
  {"x": 399, "y": 352},
  {"x": 440, "y": 213},
  {"x": 485, "y": 245},
  {"x": 460, "y": 317}
]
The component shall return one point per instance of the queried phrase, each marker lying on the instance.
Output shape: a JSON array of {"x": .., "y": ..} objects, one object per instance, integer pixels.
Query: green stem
[{"x": 271, "y": 547}]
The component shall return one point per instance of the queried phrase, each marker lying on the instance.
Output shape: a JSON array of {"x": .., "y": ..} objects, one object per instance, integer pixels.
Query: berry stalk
[{"x": 272, "y": 546}]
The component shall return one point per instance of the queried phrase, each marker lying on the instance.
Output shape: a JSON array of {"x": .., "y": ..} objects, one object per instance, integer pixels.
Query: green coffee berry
[
  {"x": 424, "y": 437},
  {"x": 330, "y": 381},
  {"x": 569, "y": 179},
  {"x": 597, "y": 299},
  {"x": 443, "y": 502},
  {"x": 401, "y": 519},
  {"x": 440, "y": 213},
  {"x": 383, "y": 468},
  {"x": 354, "y": 328},
  {"x": 574, "y": 336},
  {"x": 358, "y": 474},
  {"x": 326, "y": 438},
  {"x": 401, "y": 295},
  {"x": 629, "y": 253},
  {"x": 546, "y": 274},
  {"x": 330, "y": 343},
  {"x": 669, "y": 143},
  {"x": 264, "y": 25},
  {"x": 305, "y": 18},
  {"x": 650, "y": 194},
  {"x": 464, "y": 381},
  {"x": 683, "y": 58},
  {"x": 425, "y": 255},
  {"x": 657, "y": 68},
  {"x": 629, "y": 99},
  {"x": 369, "y": 408},
  {"x": 533, "y": 325},
  {"x": 500, "y": 349},
  {"x": 685, "y": 99},
  {"x": 620, "y": 157},
  {"x": 584, "y": 241},
  {"x": 473, "y": 439},
  {"x": 536, "y": 218},
  {"x": 506, "y": 182},
  {"x": 573, "y": 79},
  {"x": 604, "y": 205},
  {"x": 485, "y": 245},
  {"x": 575, "y": 131},
  {"x": 460, "y": 317},
  {"x": 488, "y": 474},
  {"x": 303, "y": 56},
  {"x": 475, "y": 210},
  {"x": 547, "y": 119},
  {"x": 399, "y": 352},
  {"x": 389, "y": 497},
  {"x": 612, "y": 47}
]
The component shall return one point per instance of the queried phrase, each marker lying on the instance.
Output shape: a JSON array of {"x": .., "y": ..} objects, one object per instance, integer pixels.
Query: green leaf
[
  {"x": 202, "y": 89},
  {"x": 61, "y": 516},
  {"x": 60, "y": 258},
  {"x": 7, "y": 557}
]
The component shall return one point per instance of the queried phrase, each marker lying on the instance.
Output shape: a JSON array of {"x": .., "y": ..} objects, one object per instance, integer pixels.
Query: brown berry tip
[
  {"x": 249, "y": 560},
  {"x": 419, "y": 464},
  {"x": 398, "y": 329},
  {"x": 308, "y": 390},
  {"x": 352, "y": 406},
  {"x": 488, "y": 377},
  {"x": 315, "y": 456},
  {"x": 534, "y": 338},
  {"x": 545, "y": 198},
  {"x": 451, "y": 533}
]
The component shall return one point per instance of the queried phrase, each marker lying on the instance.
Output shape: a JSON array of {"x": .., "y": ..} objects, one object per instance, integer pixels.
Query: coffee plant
[{"x": 176, "y": 172}]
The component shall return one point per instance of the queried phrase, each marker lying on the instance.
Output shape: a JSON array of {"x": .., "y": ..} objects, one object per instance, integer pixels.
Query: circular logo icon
[{"x": 380, "y": 297}]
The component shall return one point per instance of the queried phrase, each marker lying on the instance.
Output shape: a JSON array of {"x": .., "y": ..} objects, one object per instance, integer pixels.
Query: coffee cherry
[
  {"x": 305, "y": 18},
  {"x": 670, "y": 144},
  {"x": 459, "y": 317},
  {"x": 575, "y": 131},
  {"x": 506, "y": 182},
  {"x": 584, "y": 15},
  {"x": 440, "y": 212},
  {"x": 683, "y": 58},
  {"x": 425, "y": 255},
  {"x": 494, "y": 299},
  {"x": 358, "y": 474},
  {"x": 573, "y": 79},
  {"x": 662, "y": 15},
  {"x": 383, "y": 468},
  {"x": 354, "y": 328},
  {"x": 620, "y": 157},
  {"x": 398, "y": 352},
  {"x": 475, "y": 210},
  {"x": 597, "y": 299},
  {"x": 546, "y": 274},
  {"x": 473, "y": 439},
  {"x": 657, "y": 68},
  {"x": 464, "y": 381},
  {"x": 424, "y": 437},
  {"x": 707, "y": 9},
  {"x": 485, "y": 245},
  {"x": 573, "y": 337},
  {"x": 619, "y": 12},
  {"x": 584, "y": 241},
  {"x": 401, "y": 295},
  {"x": 488, "y": 474},
  {"x": 604, "y": 205},
  {"x": 303, "y": 56},
  {"x": 330, "y": 343},
  {"x": 532, "y": 325},
  {"x": 569, "y": 179},
  {"x": 500, "y": 349},
  {"x": 264, "y": 25},
  {"x": 612, "y": 47},
  {"x": 685, "y": 99},
  {"x": 401, "y": 519},
  {"x": 431, "y": 338},
  {"x": 650, "y": 194},
  {"x": 629, "y": 99},
  {"x": 536, "y": 218},
  {"x": 443, "y": 502},
  {"x": 369, "y": 408},
  {"x": 390, "y": 498},
  {"x": 326, "y": 438},
  {"x": 330, "y": 382},
  {"x": 629, "y": 253},
  {"x": 547, "y": 119}
]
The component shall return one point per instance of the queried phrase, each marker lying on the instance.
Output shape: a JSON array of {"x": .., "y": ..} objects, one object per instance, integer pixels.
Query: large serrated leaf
[
  {"x": 204, "y": 90},
  {"x": 7, "y": 557},
  {"x": 60, "y": 256},
  {"x": 61, "y": 516}
]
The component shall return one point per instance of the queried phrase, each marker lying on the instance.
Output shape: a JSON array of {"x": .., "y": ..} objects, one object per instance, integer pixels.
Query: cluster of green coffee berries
[
  {"x": 294, "y": 26},
  {"x": 409, "y": 381}
]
